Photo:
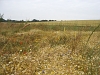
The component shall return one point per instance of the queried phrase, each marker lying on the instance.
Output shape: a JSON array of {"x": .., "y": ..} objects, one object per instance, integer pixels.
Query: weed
[{"x": 41, "y": 49}]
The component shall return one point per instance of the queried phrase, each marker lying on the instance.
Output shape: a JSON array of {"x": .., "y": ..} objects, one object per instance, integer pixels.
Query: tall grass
[
  {"x": 92, "y": 56},
  {"x": 40, "y": 49},
  {"x": 92, "y": 33}
]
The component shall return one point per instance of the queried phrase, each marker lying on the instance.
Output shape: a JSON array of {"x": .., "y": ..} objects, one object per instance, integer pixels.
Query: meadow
[{"x": 50, "y": 48}]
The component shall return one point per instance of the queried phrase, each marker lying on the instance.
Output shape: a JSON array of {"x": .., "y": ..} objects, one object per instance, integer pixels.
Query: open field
[{"x": 50, "y": 48}]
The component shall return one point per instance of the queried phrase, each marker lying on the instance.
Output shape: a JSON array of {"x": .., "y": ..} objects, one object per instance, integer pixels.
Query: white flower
[{"x": 21, "y": 50}]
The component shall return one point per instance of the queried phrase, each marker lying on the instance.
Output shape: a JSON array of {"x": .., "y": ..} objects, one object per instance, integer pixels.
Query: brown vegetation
[{"x": 35, "y": 50}]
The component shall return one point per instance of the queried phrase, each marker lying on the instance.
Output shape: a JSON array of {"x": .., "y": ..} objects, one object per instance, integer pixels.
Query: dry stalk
[{"x": 25, "y": 26}]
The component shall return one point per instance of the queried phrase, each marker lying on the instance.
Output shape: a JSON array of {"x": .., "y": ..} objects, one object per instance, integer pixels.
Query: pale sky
[{"x": 50, "y": 9}]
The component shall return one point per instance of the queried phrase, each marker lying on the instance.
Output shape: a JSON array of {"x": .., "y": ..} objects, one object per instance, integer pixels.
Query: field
[{"x": 50, "y": 48}]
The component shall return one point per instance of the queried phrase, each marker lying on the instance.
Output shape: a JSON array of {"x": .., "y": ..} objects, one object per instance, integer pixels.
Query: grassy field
[{"x": 50, "y": 48}]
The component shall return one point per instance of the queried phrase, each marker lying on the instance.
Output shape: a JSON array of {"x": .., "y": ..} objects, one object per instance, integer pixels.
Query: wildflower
[
  {"x": 21, "y": 50},
  {"x": 21, "y": 43},
  {"x": 24, "y": 53}
]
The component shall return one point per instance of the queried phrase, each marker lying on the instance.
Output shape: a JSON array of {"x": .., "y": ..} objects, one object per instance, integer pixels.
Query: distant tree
[
  {"x": 1, "y": 15},
  {"x": 1, "y": 18},
  {"x": 44, "y": 20},
  {"x": 34, "y": 20},
  {"x": 52, "y": 20},
  {"x": 8, "y": 20},
  {"x": 21, "y": 21}
]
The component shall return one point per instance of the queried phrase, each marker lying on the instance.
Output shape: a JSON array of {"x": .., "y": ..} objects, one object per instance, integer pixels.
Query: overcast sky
[{"x": 50, "y": 9}]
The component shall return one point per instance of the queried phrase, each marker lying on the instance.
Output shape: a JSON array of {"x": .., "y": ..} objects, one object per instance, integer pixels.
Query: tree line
[{"x": 9, "y": 20}]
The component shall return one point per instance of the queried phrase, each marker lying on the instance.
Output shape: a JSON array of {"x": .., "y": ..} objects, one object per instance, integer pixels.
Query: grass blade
[{"x": 91, "y": 34}]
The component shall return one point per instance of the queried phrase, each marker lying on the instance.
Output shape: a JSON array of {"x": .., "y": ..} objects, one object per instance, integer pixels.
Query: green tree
[{"x": 1, "y": 18}]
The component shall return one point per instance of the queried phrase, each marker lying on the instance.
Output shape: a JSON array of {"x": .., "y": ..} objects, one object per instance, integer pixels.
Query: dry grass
[{"x": 38, "y": 52}]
